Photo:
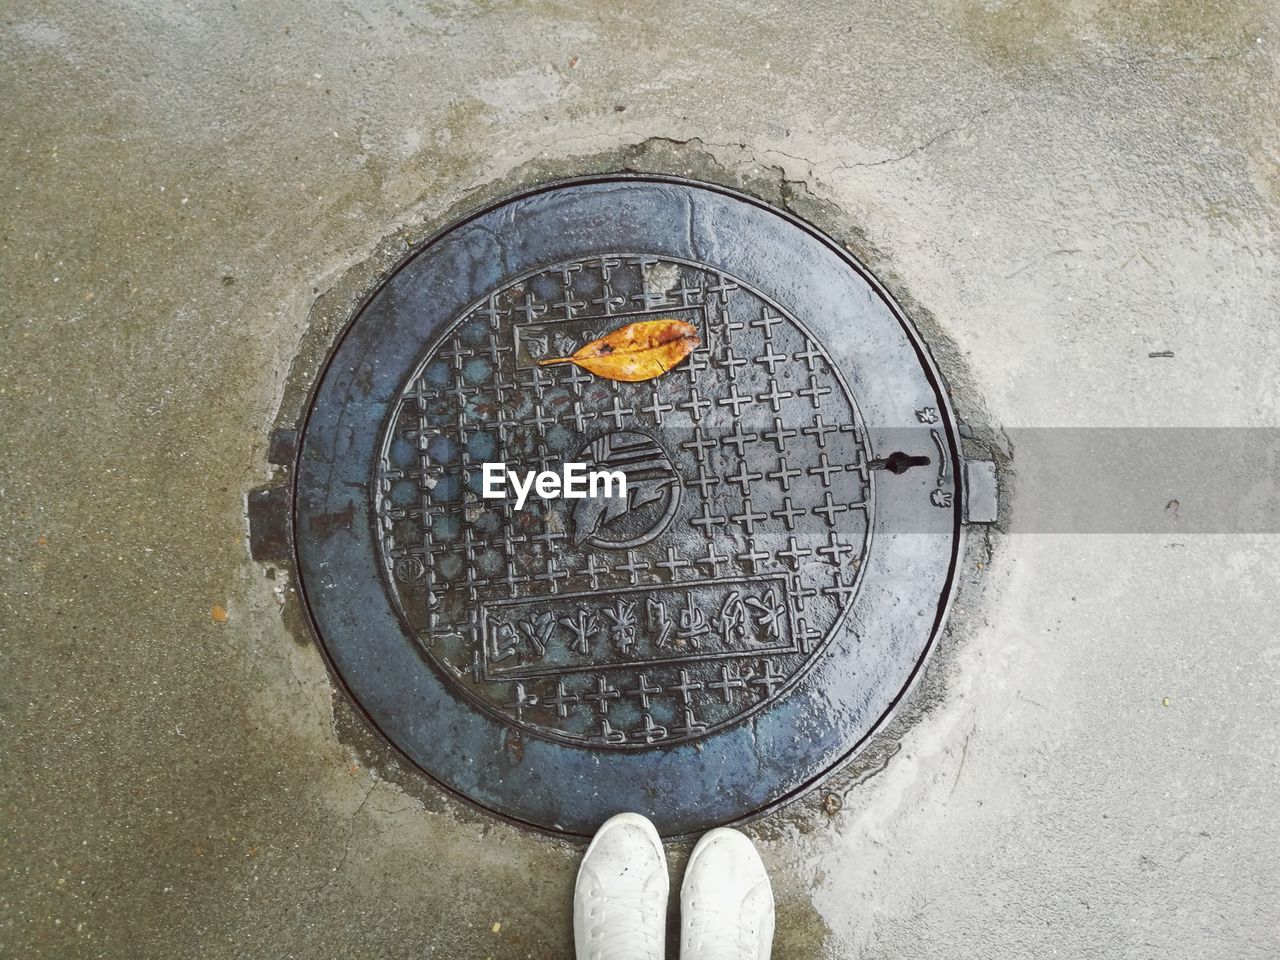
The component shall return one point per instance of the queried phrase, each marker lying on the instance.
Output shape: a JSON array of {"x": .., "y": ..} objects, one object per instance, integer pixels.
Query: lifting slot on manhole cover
[{"x": 707, "y": 645}]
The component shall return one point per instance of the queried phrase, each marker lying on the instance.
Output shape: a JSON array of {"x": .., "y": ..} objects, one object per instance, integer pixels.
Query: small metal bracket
[
  {"x": 268, "y": 511},
  {"x": 981, "y": 492},
  {"x": 283, "y": 448}
]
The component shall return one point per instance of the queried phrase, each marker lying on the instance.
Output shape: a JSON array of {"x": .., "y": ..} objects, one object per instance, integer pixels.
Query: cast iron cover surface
[{"x": 700, "y": 651}]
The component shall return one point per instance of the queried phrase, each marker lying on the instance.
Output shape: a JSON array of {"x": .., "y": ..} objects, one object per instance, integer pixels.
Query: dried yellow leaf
[{"x": 638, "y": 351}]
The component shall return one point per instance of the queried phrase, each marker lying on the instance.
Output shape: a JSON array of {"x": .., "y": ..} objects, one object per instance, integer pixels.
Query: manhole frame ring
[{"x": 923, "y": 356}]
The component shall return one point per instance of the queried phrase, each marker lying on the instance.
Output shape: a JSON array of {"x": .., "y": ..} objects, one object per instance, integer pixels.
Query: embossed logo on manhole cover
[
  {"x": 653, "y": 499},
  {"x": 695, "y": 601}
]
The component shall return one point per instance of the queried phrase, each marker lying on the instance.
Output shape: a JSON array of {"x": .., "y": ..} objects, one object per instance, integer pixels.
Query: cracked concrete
[{"x": 196, "y": 195}]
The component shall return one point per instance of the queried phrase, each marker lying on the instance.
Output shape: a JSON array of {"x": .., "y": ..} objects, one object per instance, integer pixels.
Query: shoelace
[
  {"x": 720, "y": 935},
  {"x": 627, "y": 933}
]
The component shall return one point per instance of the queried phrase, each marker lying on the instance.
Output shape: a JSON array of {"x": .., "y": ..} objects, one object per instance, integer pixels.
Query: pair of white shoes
[{"x": 620, "y": 902}]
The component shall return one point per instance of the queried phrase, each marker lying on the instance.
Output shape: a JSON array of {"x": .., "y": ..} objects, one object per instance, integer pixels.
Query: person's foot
[
  {"x": 726, "y": 902},
  {"x": 620, "y": 902}
]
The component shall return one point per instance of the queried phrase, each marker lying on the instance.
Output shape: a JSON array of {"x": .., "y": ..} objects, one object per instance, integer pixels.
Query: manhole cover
[{"x": 705, "y": 647}]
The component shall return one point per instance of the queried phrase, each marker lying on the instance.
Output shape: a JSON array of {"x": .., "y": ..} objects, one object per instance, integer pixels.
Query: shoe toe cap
[
  {"x": 727, "y": 854},
  {"x": 725, "y": 868},
  {"x": 625, "y": 844}
]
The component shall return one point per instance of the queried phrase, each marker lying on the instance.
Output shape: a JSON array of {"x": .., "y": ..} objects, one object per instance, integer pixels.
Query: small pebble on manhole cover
[{"x": 699, "y": 648}]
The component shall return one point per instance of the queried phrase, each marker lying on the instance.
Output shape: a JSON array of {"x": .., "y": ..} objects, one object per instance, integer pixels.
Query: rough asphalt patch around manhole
[{"x": 781, "y": 567}]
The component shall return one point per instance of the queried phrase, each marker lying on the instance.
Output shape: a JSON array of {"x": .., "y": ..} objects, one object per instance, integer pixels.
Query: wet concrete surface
[{"x": 195, "y": 195}]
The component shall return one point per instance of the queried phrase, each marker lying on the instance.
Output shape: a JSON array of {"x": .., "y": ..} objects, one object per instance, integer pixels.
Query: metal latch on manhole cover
[{"x": 706, "y": 647}]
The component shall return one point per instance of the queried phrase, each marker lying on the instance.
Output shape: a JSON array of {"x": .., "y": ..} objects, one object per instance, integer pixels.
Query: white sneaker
[
  {"x": 620, "y": 901},
  {"x": 726, "y": 903}
]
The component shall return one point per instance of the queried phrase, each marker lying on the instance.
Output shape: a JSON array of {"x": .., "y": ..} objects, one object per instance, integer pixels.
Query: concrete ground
[{"x": 1056, "y": 190}]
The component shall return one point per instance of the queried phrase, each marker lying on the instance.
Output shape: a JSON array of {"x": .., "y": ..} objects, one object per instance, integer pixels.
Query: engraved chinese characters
[{"x": 625, "y": 623}]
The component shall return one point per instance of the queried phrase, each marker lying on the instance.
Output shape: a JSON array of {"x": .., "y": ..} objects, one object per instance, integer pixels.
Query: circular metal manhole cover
[{"x": 699, "y": 650}]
